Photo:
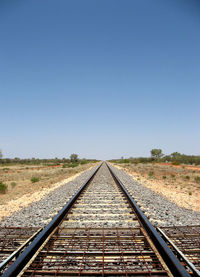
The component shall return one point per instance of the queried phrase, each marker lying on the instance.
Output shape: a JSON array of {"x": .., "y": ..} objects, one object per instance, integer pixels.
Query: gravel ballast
[
  {"x": 41, "y": 212},
  {"x": 159, "y": 210},
  {"x": 102, "y": 204}
]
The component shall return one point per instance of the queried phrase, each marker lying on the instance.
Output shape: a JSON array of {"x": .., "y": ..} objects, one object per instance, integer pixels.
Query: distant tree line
[
  {"x": 157, "y": 155},
  {"x": 54, "y": 161}
]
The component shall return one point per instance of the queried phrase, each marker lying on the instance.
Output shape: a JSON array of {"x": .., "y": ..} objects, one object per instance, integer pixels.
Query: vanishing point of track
[{"x": 100, "y": 232}]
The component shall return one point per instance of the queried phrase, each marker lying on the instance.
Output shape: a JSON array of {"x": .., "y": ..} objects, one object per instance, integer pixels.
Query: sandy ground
[
  {"x": 190, "y": 167},
  {"x": 13, "y": 205},
  {"x": 21, "y": 175},
  {"x": 188, "y": 198}
]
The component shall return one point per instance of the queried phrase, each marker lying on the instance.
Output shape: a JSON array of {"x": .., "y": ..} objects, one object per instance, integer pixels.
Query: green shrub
[
  {"x": 187, "y": 177},
  {"x": 84, "y": 162},
  {"x": 54, "y": 164},
  {"x": 35, "y": 179},
  {"x": 175, "y": 163},
  {"x": 13, "y": 184},
  {"x": 3, "y": 188},
  {"x": 172, "y": 175},
  {"x": 73, "y": 165},
  {"x": 164, "y": 177},
  {"x": 197, "y": 179},
  {"x": 124, "y": 161},
  {"x": 64, "y": 166},
  {"x": 151, "y": 174}
]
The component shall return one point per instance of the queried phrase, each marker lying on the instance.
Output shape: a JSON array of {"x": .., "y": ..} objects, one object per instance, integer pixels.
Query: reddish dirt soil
[{"x": 180, "y": 166}]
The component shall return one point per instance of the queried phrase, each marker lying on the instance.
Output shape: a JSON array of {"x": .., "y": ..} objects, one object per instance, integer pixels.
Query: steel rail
[
  {"x": 16, "y": 253},
  {"x": 25, "y": 257},
  {"x": 195, "y": 271},
  {"x": 168, "y": 256}
]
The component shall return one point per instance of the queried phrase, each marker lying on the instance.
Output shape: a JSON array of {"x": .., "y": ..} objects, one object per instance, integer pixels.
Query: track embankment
[{"x": 101, "y": 231}]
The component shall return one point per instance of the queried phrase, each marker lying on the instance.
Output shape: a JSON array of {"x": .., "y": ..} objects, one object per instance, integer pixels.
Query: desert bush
[
  {"x": 73, "y": 165},
  {"x": 3, "y": 188},
  {"x": 124, "y": 161},
  {"x": 141, "y": 160},
  {"x": 164, "y": 177},
  {"x": 13, "y": 184},
  {"x": 185, "y": 159},
  {"x": 151, "y": 174},
  {"x": 56, "y": 163},
  {"x": 64, "y": 166},
  {"x": 187, "y": 177},
  {"x": 172, "y": 175},
  {"x": 83, "y": 161},
  {"x": 197, "y": 179},
  {"x": 35, "y": 179},
  {"x": 190, "y": 193},
  {"x": 176, "y": 163}
]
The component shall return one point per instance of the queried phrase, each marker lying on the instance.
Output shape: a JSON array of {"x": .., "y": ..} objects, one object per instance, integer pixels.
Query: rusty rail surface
[
  {"x": 97, "y": 252},
  {"x": 24, "y": 258},
  {"x": 13, "y": 240},
  {"x": 185, "y": 244},
  {"x": 62, "y": 251},
  {"x": 171, "y": 260}
]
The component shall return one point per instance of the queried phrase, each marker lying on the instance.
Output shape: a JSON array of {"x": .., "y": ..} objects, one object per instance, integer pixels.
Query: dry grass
[
  {"x": 21, "y": 175},
  {"x": 180, "y": 184}
]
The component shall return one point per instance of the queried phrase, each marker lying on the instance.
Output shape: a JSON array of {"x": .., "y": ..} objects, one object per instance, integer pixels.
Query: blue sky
[{"x": 103, "y": 79}]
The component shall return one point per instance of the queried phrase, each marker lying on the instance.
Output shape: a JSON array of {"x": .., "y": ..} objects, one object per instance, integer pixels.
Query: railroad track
[{"x": 101, "y": 232}]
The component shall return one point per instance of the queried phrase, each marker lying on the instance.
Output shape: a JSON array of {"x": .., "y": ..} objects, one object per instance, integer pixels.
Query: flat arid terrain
[
  {"x": 22, "y": 191},
  {"x": 180, "y": 184}
]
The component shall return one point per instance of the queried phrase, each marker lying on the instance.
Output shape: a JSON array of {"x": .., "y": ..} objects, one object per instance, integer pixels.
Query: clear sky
[{"x": 102, "y": 79}]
